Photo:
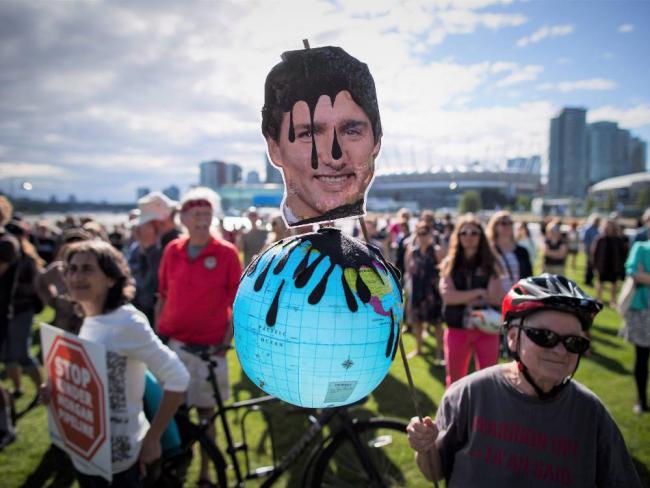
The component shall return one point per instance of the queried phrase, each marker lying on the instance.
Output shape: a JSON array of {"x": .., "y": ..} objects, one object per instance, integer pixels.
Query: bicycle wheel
[{"x": 371, "y": 457}]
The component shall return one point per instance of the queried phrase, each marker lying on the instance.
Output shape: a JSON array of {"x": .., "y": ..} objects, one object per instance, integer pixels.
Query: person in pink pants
[{"x": 470, "y": 278}]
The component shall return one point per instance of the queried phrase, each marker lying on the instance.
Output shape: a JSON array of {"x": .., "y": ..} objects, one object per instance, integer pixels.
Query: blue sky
[{"x": 98, "y": 98}]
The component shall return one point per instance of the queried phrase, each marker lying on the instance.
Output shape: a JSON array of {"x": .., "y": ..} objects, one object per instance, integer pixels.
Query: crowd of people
[{"x": 170, "y": 273}]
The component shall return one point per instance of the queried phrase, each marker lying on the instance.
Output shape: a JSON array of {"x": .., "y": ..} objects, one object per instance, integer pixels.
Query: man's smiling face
[{"x": 342, "y": 176}]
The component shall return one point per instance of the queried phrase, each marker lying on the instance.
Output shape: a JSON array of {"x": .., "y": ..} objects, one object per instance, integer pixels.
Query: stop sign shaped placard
[{"x": 77, "y": 400}]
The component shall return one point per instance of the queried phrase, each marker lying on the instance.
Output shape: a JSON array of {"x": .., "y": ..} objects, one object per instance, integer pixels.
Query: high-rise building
[
  {"x": 623, "y": 153},
  {"x": 214, "y": 174},
  {"x": 603, "y": 150},
  {"x": 253, "y": 178},
  {"x": 172, "y": 192},
  {"x": 568, "y": 162},
  {"x": 638, "y": 151},
  {"x": 273, "y": 174}
]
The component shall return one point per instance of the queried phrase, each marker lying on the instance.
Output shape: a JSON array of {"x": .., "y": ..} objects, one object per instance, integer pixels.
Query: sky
[{"x": 99, "y": 98}]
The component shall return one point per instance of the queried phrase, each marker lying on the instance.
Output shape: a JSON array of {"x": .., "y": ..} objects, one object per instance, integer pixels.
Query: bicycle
[{"x": 355, "y": 452}]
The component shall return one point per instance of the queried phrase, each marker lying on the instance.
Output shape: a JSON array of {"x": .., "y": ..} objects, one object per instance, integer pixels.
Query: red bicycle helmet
[{"x": 549, "y": 292}]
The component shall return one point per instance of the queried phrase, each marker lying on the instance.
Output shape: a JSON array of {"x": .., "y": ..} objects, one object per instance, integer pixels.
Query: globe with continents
[{"x": 316, "y": 319}]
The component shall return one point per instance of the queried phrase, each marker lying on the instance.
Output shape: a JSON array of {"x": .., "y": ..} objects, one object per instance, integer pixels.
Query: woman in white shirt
[{"x": 98, "y": 278}]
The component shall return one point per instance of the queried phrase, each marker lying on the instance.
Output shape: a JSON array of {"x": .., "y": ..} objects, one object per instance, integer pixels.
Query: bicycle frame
[{"x": 274, "y": 472}]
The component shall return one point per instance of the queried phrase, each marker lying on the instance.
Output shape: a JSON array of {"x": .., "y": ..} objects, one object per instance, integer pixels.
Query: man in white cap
[{"x": 155, "y": 229}]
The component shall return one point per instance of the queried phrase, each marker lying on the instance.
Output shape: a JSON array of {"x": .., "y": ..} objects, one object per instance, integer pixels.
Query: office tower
[
  {"x": 568, "y": 162},
  {"x": 603, "y": 150},
  {"x": 638, "y": 153},
  {"x": 214, "y": 174},
  {"x": 273, "y": 175}
]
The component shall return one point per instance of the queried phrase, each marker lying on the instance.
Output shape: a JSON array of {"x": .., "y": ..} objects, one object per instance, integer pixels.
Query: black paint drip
[
  {"x": 303, "y": 278},
  {"x": 283, "y": 260},
  {"x": 391, "y": 337},
  {"x": 292, "y": 132},
  {"x": 396, "y": 342},
  {"x": 336, "y": 149},
  {"x": 318, "y": 292},
  {"x": 260, "y": 279},
  {"x": 362, "y": 289},
  {"x": 349, "y": 297},
  {"x": 343, "y": 251},
  {"x": 314, "y": 153},
  {"x": 272, "y": 314}
]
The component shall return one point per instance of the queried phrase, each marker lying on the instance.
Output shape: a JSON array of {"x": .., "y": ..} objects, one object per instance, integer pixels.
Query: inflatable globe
[{"x": 316, "y": 319}]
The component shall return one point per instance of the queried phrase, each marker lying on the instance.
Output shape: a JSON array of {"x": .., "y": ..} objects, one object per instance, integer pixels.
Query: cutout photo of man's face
[{"x": 345, "y": 150}]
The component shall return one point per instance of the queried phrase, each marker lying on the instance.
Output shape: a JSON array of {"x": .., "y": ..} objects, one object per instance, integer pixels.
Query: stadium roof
[{"x": 624, "y": 181}]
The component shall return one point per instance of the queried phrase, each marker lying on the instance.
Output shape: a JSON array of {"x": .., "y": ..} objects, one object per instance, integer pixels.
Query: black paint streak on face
[
  {"x": 314, "y": 152},
  {"x": 283, "y": 260},
  {"x": 260, "y": 279},
  {"x": 318, "y": 292},
  {"x": 336, "y": 149},
  {"x": 303, "y": 278},
  {"x": 349, "y": 297},
  {"x": 292, "y": 131},
  {"x": 272, "y": 314},
  {"x": 391, "y": 337}
]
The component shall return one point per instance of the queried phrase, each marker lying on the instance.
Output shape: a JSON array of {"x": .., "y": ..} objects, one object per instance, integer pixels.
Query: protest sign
[{"x": 78, "y": 416}]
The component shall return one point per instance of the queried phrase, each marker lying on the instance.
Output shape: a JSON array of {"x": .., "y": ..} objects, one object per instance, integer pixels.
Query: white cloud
[
  {"x": 625, "y": 28},
  {"x": 632, "y": 118},
  {"x": 24, "y": 169},
  {"x": 588, "y": 84},
  {"x": 521, "y": 74},
  {"x": 546, "y": 32}
]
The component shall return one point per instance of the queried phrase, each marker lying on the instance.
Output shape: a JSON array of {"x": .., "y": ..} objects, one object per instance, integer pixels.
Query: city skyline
[{"x": 99, "y": 99}]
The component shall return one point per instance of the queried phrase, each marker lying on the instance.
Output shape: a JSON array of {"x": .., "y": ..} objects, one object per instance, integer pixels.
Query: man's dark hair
[
  {"x": 113, "y": 264},
  {"x": 309, "y": 73}
]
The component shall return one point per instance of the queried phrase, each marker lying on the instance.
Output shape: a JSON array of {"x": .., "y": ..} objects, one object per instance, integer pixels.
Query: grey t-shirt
[{"x": 491, "y": 434}]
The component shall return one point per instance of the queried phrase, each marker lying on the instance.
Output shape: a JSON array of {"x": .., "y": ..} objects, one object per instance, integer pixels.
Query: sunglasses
[
  {"x": 548, "y": 339},
  {"x": 505, "y": 222},
  {"x": 469, "y": 233},
  {"x": 424, "y": 233}
]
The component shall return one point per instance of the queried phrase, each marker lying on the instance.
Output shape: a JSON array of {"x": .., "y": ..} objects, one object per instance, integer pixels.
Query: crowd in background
[{"x": 452, "y": 267}]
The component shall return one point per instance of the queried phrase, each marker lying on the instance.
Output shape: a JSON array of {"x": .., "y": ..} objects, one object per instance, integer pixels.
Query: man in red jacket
[{"x": 198, "y": 279}]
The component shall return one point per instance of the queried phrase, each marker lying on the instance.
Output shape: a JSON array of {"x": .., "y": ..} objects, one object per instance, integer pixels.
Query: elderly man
[
  {"x": 321, "y": 123},
  {"x": 154, "y": 229},
  {"x": 199, "y": 275},
  {"x": 527, "y": 423}
]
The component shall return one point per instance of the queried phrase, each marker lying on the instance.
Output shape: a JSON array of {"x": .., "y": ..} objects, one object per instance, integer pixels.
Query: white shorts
[{"x": 199, "y": 391}]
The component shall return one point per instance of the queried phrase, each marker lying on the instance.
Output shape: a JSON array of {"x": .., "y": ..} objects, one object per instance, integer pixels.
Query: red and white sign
[{"x": 78, "y": 409}]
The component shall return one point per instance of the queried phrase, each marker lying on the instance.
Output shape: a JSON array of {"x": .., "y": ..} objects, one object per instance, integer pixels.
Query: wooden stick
[{"x": 407, "y": 369}]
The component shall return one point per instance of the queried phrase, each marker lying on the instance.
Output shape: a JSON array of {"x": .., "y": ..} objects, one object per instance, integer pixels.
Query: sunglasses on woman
[
  {"x": 548, "y": 339},
  {"x": 469, "y": 233}
]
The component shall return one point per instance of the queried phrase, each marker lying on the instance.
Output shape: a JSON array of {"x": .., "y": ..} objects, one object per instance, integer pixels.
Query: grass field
[{"x": 608, "y": 372}]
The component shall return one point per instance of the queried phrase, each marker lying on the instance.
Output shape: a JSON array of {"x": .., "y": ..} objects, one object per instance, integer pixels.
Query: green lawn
[{"x": 608, "y": 372}]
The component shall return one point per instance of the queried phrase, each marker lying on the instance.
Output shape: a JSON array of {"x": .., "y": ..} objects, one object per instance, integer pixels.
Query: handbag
[
  {"x": 484, "y": 319},
  {"x": 625, "y": 297}
]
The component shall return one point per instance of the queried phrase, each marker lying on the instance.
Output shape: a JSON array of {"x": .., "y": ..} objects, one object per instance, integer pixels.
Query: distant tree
[
  {"x": 589, "y": 204},
  {"x": 610, "y": 202},
  {"x": 470, "y": 201},
  {"x": 522, "y": 203},
  {"x": 642, "y": 199}
]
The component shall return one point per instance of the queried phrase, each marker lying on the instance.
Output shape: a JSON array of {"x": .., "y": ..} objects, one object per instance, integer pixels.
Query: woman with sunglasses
[
  {"x": 470, "y": 278},
  {"x": 422, "y": 260},
  {"x": 98, "y": 278},
  {"x": 527, "y": 423},
  {"x": 514, "y": 259}
]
